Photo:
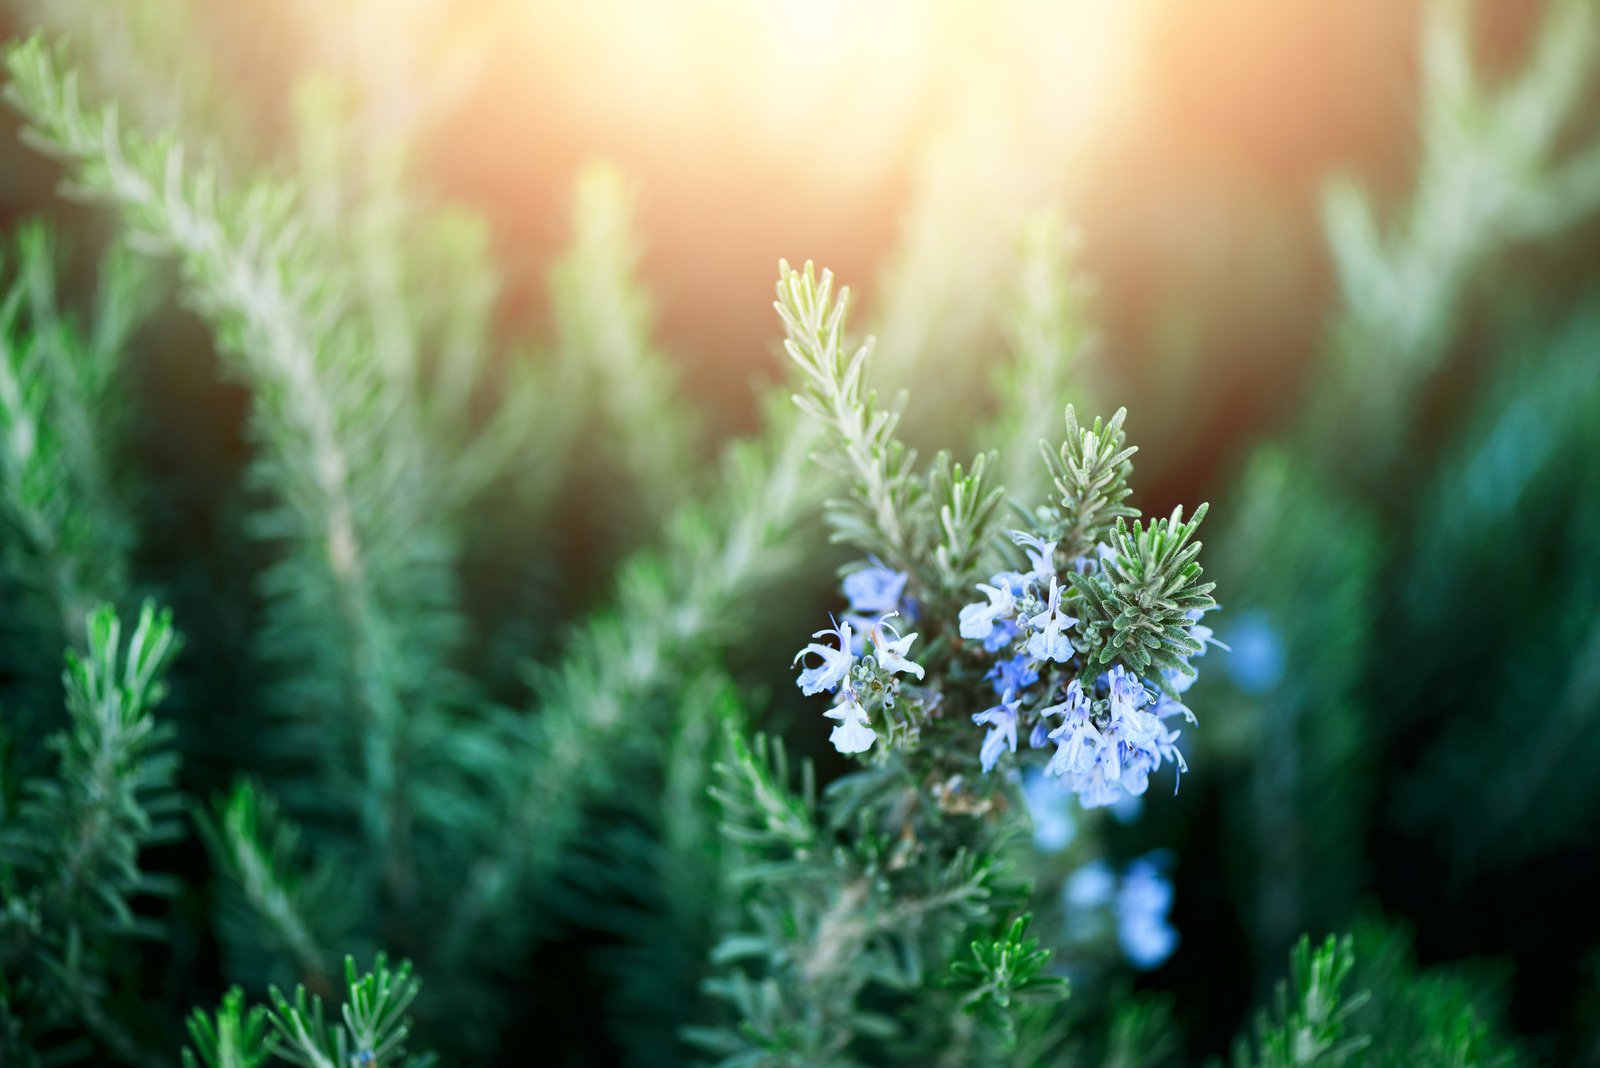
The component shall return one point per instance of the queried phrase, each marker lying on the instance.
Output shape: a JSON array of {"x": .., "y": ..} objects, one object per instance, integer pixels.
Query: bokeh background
[{"x": 1419, "y": 576}]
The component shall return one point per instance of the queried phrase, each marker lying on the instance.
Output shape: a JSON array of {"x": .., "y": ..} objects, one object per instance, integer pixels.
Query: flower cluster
[
  {"x": 1108, "y": 732},
  {"x": 861, "y": 677}
]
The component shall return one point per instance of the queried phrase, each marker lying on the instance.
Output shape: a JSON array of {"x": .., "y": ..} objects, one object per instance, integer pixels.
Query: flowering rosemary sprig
[{"x": 1074, "y": 657}]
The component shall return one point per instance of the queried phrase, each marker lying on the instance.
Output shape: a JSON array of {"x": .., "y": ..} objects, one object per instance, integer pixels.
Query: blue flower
[
  {"x": 1143, "y": 903},
  {"x": 1091, "y": 886},
  {"x": 1004, "y": 633},
  {"x": 1015, "y": 581},
  {"x": 1257, "y": 663},
  {"x": 1013, "y": 673},
  {"x": 1041, "y": 555},
  {"x": 1110, "y": 757},
  {"x": 1039, "y": 737},
  {"x": 1127, "y": 693},
  {"x": 1203, "y": 634},
  {"x": 853, "y": 734},
  {"x": 1178, "y": 680},
  {"x": 1053, "y": 825},
  {"x": 1002, "y": 721},
  {"x": 835, "y": 662},
  {"x": 1050, "y": 642},
  {"x": 891, "y": 654},
  {"x": 978, "y": 619},
  {"x": 875, "y": 591},
  {"x": 1078, "y": 740}
]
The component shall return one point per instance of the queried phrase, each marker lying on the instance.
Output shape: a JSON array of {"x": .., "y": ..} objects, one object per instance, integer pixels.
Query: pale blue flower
[
  {"x": 1039, "y": 737},
  {"x": 1015, "y": 581},
  {"x": 1096, "y": 788},
  {"x": 978, "y": 619},
  {"x": 854, "y": 734},
  {"x": 1074, "y": 703},
  {"x": 1054, "y": 827},
  {"x": 875, "y": 591},
  {"x": 1041, "y": 555},
  {"x": 1126, "y": 692},
  {"x": 1145, "y": 742},
  {"x": 1078, "y": 740},
  {"x": 835, "y": 662},
  {"x": 1134, "y": 774},
  {"x": 1143, "y": 904},
  {"x": 1166, "y": 707},
  {"x": 1013, "y": 673},
  {"x": 1203, "y": 634},
  {"x": 1002, "y": 721},
  {"x": 1179, "y": 680},
  {"x": 1050, "y": 641},
  {"x": 891, "y": 653},
  {"x": 1129, "y": 722},
  {"x": 1080, "y": 747}
]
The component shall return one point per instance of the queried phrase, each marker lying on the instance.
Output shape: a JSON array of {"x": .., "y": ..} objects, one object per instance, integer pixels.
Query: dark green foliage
[
  {"x": 1138, "y": 609},
  {"x": 373, "y": 1025},
  {"x": 1005, "y": 975},
  {"x": 1444, "y": 1016},
  {"x": 1362, "y": 1000},
  {"x": 232, "y": 1038},
  {"x": 280, "y": 906},
  {"x": 62, "y": 416},
  {"x": 1306, "y": 728},
  {"x": 1529, "y": 456},
  {"x": 684, "y": 889},
  {"x": 842, "y": 920},
  {"x": 1311, "y": 1022},
  {"x": 70, "y": 855},
  {"x": 655, "y": 879},
  {"x": 1411, "y": 555},
  {"x": 372, "y": 1028}
]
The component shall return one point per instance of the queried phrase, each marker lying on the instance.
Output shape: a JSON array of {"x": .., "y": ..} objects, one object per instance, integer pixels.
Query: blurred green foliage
[{"x": 477, "y": 633}]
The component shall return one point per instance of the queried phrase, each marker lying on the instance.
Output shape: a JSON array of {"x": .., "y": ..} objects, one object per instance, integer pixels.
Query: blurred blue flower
[
  {"x": 1127, "y": 808},
  {"x": 1091, "y": 886},
  {"x": 1143, "y": 904},
  {"x": 875, "y": 591},
  {"x": 1050, "y": 809},
  {"x": 1257, "y": 663}
]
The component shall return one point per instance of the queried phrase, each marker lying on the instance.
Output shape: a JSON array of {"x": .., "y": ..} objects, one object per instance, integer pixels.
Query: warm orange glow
[{"x": 849, "y": 90}]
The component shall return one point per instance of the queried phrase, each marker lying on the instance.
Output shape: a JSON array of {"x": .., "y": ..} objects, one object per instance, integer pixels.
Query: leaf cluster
[{"x": 1138, "y": 609}]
